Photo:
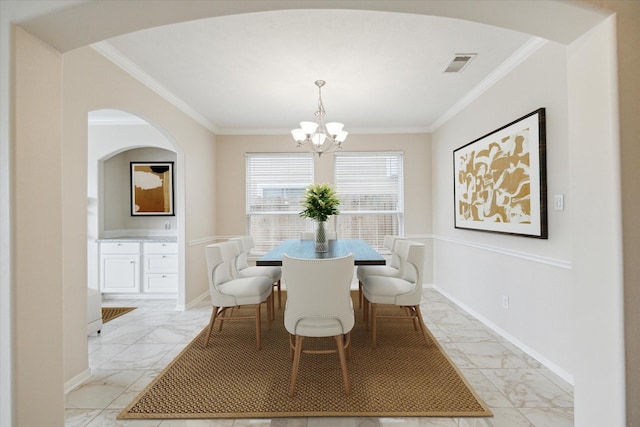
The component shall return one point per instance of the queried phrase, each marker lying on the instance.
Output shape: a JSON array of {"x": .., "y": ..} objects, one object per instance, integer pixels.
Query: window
[
  {"x": 371, "y": 191},
  {"x": 275, "y": 186}
]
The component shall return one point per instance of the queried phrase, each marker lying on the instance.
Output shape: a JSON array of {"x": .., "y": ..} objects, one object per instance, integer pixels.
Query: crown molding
[
  {"x": 114, "y": 55},
  {"x": 531, "y": 46}
]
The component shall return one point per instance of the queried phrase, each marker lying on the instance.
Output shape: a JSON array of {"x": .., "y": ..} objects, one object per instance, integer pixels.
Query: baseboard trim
[
  {"x": 536, "y": 355},
  {"x": 195, "y": 301},
  {"x": 77, "y": 380}
]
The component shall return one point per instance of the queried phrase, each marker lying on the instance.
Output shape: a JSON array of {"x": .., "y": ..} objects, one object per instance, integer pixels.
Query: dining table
[{"x": 363, "y": 253}]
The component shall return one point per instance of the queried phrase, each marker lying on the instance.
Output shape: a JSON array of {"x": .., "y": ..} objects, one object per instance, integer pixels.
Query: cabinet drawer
[
  {"x": 119, "y": 248},
  {"x": 161, "y": 283},
  {"x": 157, "y": 263},
  {"x": 161, "y": 248}
]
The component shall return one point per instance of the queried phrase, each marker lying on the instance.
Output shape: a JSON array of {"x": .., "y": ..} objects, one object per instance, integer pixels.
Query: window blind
[
  {"x": 275, "y": 185},
  {"x": 371, "y": 190}
]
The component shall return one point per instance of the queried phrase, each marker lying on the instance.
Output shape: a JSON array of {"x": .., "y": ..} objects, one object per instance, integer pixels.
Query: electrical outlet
[
  {"x": 505, "y": 302},
  {"x": 559, "y": 202}
]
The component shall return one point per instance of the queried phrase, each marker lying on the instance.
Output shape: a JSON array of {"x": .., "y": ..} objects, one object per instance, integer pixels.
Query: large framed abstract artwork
[
  {"x": 152, "y": 189},
  {"x": 500, "y": 182}
]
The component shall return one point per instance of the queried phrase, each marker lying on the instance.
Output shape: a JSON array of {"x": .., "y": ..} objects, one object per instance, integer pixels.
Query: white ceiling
[{"x": 254, "y": 73}]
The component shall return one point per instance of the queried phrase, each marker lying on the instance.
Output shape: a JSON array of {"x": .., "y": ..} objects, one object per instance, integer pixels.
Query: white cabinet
[
  {"x": 139, "y": 267},
  {"x": 120, "y": 267},
  {"x": 160, "y": 267}
]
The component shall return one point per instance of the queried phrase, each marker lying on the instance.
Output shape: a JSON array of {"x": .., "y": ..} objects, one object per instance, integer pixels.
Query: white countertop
[{"x": 141, "y": 239}]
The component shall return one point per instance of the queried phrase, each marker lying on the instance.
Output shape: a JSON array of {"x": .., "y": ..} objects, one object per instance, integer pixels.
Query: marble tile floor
[{"x": 134, "y": 348}]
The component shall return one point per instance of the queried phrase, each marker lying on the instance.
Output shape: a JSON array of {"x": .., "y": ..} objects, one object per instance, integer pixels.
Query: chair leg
[
  {"x": 348, "y": 345},
  {"x": 273, "y": 307},
  {"x": 292, "y": 346},
  {"x": 222, "y": 315},
  {"x": 279, "y": 294},
  {"x": 258, "y": 327},
  {"x": 270, "y": 310},
  {"x": 214, "y": 314},
  {"x": 365, "y": 312},
  {"x": 374, "y": 324},
  {"x": 296, "y": 362},
  {"x": 359, "y": 294},
  {"x": 343, "y": 363},
  {"x": 413, "y": 313}
]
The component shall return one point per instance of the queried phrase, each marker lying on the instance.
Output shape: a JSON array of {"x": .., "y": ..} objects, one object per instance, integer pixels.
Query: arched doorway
[{"x": 115, "y": 139}]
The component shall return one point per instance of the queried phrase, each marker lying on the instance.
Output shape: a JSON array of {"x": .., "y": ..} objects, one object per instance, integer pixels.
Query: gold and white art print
[
  {"x": 152, "y": 189},
  {"x": 500, "y": 180}
]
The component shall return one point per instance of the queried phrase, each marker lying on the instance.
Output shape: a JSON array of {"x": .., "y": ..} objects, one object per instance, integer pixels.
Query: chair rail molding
[
  {"x": 559, "y": 263},
  {"x": 209, "y": 239}
]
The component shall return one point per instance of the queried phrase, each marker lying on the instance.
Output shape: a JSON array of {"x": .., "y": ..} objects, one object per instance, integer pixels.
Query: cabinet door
[{"x": 120, "y": 273}]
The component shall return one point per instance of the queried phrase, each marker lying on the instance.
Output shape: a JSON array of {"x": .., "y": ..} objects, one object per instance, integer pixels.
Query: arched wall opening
[
  {"x": 115, "y": 32},
  {"x": 115, "y": 138}
]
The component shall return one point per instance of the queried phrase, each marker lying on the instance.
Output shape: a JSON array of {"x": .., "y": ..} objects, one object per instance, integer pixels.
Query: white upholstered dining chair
[
  {"x": 318, "y": 305},
  {"x": 389, "y": 270},
  {"x": 243, "y": 269},
  {"x": 227, "y": 292},
  {"x": 404, "y": 291}
]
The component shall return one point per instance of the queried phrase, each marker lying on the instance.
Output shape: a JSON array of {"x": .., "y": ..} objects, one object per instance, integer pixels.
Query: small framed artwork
[
  {"x": 500, "y": 180},
  {"x": 152, "y": 189}
]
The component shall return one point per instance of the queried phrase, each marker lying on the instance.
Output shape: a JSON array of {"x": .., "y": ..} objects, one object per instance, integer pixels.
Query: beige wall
[
  {"x": 116, "y": 202},
  {"x": 39, "y": 230},
  {"x": 565, "y": 292},
  {"x": 91, "y": 82},
  {"x": 477, "y": 269},
  {"x": 597, "y": 240}
]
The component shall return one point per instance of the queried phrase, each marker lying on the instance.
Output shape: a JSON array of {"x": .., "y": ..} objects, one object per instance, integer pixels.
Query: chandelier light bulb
[
  {"x": 342, "y": 135},
  {"x": 298, "y": 135},
  {"x": 334, "y": 128},
  {"x": 309, "y": 127},
  {"x": 318, "y": 139}
]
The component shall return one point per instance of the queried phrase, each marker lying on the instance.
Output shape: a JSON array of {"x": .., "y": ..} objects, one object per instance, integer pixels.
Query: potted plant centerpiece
[{"x": 319, "y": 203}]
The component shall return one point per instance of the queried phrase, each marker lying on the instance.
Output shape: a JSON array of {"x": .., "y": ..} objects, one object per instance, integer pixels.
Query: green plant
[{"x": 320, "y": 202}]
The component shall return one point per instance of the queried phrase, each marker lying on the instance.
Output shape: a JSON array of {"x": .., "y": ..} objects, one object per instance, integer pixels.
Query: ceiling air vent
[{"x": 459, "y": 62}]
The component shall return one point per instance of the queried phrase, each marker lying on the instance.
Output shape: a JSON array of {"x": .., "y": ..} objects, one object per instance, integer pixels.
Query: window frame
[
  {"x": 395, "y": 167},
  {"x": 294, "y": 181}
]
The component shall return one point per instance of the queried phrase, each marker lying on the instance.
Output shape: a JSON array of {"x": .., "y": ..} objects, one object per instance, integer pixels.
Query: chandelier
[{"x": 321, "y": 137}]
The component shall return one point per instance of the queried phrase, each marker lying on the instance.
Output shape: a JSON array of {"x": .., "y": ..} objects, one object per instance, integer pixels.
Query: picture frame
[
  {"x": 500, "y": 180},
  {"x": 152, "y": 189}
]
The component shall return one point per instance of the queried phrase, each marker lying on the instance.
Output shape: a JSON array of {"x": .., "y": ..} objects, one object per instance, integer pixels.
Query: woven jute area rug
[
  {"x": 232, "y": 379},
  {"x": 110, "y": 313}
]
